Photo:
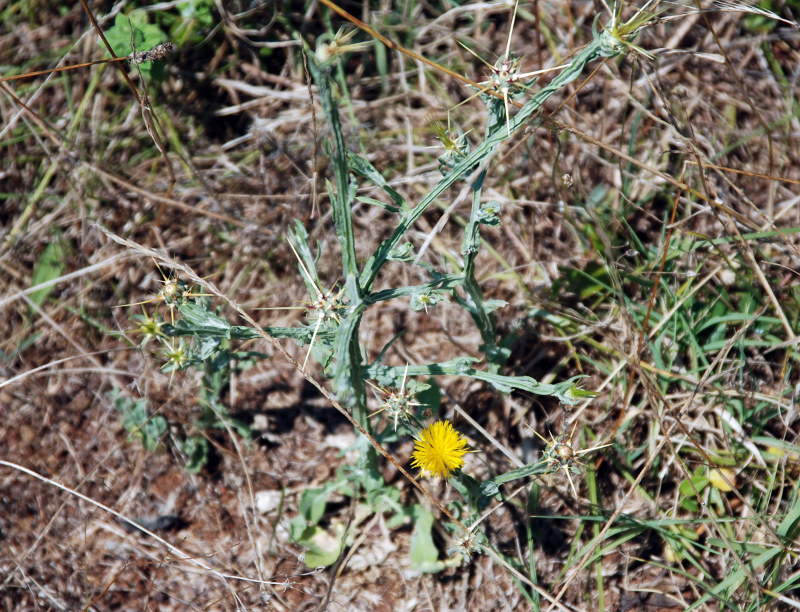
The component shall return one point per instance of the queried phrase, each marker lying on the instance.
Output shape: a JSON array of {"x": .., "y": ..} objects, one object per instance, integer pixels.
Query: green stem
[
  {"x": 601, "y": 46},
  {"x": 474, "y": 302},
  {"x": 348, "y": 378}
]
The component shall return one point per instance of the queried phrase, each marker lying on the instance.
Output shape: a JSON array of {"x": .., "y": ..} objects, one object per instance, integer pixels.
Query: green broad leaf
[
  {"x": 488, "y": 214},
  {"x": 698, "y": 482},
  {"x": 196, "y": 450},
  {"x": 136, "y": 419},
  {"x": 201, "y": 11},
  {"x": 312, "y": 504},
  {"x": 492, "y": 305},
  {"x": 400, "y": 518},
  {"x": 404, "y": 252},
  {"x": 429, "y": 396},
  {"x": 686, "y": 490},
  {"x": 49, "y": 267},
  {"x": 206, "y": 347},
  {"x": 471, "y": 490},
  {"x": 369, "y": 476},
  {"x": 203, "y": 321},
  {"x": 427, "y": 299},
  {"x": 423, "y": 552},
  {"x": 298, "y": 528},
  {"x": 133, "y": 26},
  {"x": 490, "y": 488},
  {"x": 323, "y": 547},
  {"x": 385, "y": 499},
  {"x": 145, "y": 36}
]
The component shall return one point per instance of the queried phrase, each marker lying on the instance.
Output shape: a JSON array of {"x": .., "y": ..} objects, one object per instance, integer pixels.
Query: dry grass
[{"x": 235, "y": 107}]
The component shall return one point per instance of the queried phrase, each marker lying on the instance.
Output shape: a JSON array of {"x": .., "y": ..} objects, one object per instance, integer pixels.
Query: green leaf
[
  {"x": 323, "y": 547},
  {"x": 488, "y": 214},
  {"x": 378, "y": 203},
  {"x": 471, "y": 490},
  {"x": 312, "y": 504},
  {"x": 789, "y": 525},
  {"x": 491, "y": 487},
  {"x": 430, "y": 397},
  {"x": 196, "y": 450},
  {"x": 492, "y": 305},
  {"x": 385, "y": 499},
  {"x": 427, "y": 298},
  {"x": 368, "y": 474},
  {"x": 364, "y": 168},
  {"x": 298, "y": 528},
  {"x": 137, "y": 420},
  {"x": 145, "y": 37},
  {"x": 404, "y": 252},
  {"x": 593, "y": 279},
  {"x": 688, "y": 500},
  {"x": 423, "y": 552},
  {"x": 200, "y": 10},
  {"x": 566, "y": 391},
  {"x": 307, "y": 266},
  {"x": 206, "y": 347},
  {"x": 204, "y": 322},
  {"x": 49, "y": 267}
]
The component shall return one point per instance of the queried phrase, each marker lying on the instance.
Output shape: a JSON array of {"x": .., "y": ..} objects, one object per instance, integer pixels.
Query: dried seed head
[
  {"x": 160, "y": 51},
  {"x": 339, "y": 45}
]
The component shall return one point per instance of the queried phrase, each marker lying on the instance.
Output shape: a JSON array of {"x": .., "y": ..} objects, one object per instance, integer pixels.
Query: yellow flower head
[{"x": 440, "y": 450}]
